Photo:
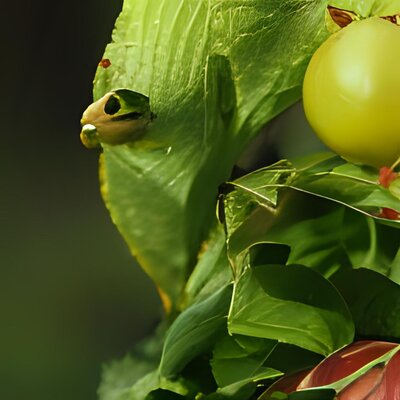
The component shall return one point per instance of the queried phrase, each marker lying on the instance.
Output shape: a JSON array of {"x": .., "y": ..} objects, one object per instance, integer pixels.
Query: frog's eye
[{"x": 112, "y": 106}]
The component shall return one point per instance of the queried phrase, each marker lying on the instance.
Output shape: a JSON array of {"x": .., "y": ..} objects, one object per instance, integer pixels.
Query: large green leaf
[
  {"x": 215, "y": 72},
  {"x": 292, "y": 304},
  {"x": 156, "y": 192},
  {"x": 212, "y": 271}
]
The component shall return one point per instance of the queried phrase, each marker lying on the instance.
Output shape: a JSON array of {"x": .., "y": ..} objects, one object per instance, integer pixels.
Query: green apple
[{"x": 351, "y": 92}]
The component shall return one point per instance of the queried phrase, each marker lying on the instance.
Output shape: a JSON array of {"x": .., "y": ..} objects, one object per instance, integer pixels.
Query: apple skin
[{"x": 351, "y": 92}]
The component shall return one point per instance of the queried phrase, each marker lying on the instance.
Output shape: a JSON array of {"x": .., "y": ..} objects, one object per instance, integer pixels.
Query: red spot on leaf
[
  {"x": 105, "y": 63},
  {"x": 388, "y": 213},
  {"x": 387, "y": 176}
]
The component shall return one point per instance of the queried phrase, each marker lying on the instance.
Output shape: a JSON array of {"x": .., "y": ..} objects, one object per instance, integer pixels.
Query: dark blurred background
[{"x": 71, "y": 296}]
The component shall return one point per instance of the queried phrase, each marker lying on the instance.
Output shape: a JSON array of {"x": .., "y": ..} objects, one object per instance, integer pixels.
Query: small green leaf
[
  {"x": 212, "y": 271},
  {"x": 394, "y": 274},
  {"x": 194, "y": 331},
  {"x": 369, "y": 244},
  {"x": 244, "y": 389},
  {"x": 231, "y": 364},
  {"x": 363, "y": 173},
  {"x": 293, "y": 305},
  {"x": 351, "y": 192},
  {"x": 394, "y": 188}
]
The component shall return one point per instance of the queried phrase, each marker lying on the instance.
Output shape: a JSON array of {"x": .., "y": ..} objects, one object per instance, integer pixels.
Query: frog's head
[{"x": 118, "y": 117}]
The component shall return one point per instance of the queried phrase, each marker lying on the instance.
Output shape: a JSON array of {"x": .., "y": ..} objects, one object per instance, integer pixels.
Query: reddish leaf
[
  {"x": 381, "y": 382},
  {"x": 365, "y": 387},
  {"x": 390, "y": 386},
  {"x": 287, "y": 384},
  {"x": 344, "y": 362}
]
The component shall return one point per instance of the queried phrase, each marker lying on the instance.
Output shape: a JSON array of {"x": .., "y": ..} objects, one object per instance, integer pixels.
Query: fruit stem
[{"x": 396, "y": 164}]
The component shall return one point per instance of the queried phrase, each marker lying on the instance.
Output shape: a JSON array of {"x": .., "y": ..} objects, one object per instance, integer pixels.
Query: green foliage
[
  {"x": 325, "y": 231},
  {"x": 119, "y": 377},
  {"x": 237, "y": 369},
  {"x": 374, "y": 302},
  {"x": 368, "y": 8},
  {"x": 212, "y": 270},
  {"x": 311, "y": 394},
  {"x": 199, "y": 62},
  {"x": 194, "y": 331},
  {"x": 331, "y": 178},
  {"x": 270, "y": 287}
]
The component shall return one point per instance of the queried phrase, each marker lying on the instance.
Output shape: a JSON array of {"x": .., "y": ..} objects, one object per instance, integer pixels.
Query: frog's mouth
[{"x": 89, "y": 136}]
